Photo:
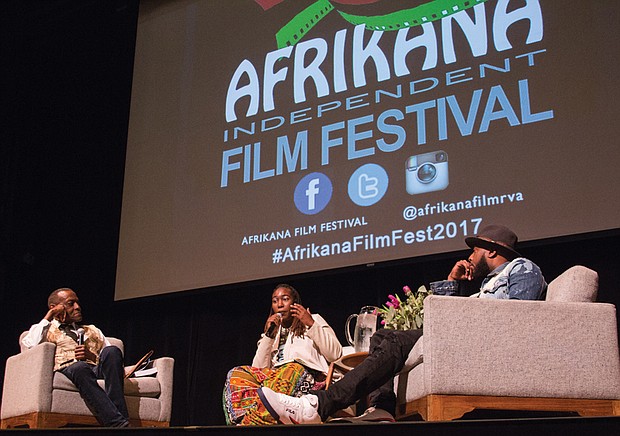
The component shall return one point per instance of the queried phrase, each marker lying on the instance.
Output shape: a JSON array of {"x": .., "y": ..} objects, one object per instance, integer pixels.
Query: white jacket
[{"x": 315, "y": 350}]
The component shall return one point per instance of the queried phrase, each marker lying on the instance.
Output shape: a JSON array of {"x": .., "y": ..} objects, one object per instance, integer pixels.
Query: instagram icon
[{"x": 427, "y": 172}]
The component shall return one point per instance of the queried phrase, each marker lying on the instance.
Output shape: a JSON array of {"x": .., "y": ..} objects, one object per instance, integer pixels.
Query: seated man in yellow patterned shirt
[{"x": 84, "y": 355}]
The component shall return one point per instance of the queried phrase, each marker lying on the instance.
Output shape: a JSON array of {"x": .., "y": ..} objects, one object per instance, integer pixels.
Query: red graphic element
[{"x": 268, "y": 4}]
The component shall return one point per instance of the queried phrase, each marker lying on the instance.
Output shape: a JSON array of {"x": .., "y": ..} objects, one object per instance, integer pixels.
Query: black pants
[
  {"x": 108, "y": 406},
  {"x": 389, "y": 350}
]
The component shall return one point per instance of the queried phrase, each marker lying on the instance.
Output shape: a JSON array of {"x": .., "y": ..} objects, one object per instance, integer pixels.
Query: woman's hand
[
  {"x": 273, "y": 322},
  {"x": 303, "y": 314}
]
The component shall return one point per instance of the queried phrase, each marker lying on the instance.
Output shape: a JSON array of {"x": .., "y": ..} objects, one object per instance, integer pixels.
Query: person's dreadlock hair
[{"x": 297, "y": 327}]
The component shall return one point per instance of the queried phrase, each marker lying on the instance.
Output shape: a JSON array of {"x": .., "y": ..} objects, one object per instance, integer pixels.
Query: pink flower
[
  {"x": 389, "y": 304},
  {"x": 395, "y": 302},
  {"x": 406, "y": 289},
  {"x": 382, "y": 322}
]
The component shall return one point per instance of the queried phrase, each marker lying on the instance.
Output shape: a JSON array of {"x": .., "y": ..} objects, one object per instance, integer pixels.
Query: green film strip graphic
[
  {"x": 434, "y": 10},
  {"x": 425, "y": 13},
  {"x": 301, "y": 23}
]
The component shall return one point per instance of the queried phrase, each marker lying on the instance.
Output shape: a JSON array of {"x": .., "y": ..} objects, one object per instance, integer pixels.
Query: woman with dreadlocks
[{"x": 293, "y": 357}]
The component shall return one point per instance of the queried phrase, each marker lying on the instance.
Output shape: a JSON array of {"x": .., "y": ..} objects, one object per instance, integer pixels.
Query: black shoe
[
  {"x": 121, "y": 425},
  {"x": 372, "y": 414}
]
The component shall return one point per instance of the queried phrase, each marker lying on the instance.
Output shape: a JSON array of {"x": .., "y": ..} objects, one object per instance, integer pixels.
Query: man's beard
[{"x": 481, "y": 269}]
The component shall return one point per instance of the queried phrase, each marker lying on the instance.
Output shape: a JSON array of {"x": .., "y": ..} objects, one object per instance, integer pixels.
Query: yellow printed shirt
[{"x": 65, "y": 344}]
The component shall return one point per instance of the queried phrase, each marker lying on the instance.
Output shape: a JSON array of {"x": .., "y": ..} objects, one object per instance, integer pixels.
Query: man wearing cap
[{"x": 506, "y": 274}]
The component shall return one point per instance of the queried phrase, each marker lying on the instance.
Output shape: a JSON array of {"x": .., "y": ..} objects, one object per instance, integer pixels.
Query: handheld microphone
[
  {"x": 80, "y": 335},
  {"x": 272, "y": 327}
]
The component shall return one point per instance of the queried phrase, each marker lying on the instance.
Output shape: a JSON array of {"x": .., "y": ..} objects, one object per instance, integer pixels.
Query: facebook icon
[{"x": 313, "y": 193}]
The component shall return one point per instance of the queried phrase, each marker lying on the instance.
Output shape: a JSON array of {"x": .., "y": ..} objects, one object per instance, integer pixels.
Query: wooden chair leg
[
  {"x": 57, "y": 420},
  {"x": 449, "y": 407},
  {"x": 48, "y": 420},
  {"x": 441, "y": 408},
  {"x": 30, "y": 420}
]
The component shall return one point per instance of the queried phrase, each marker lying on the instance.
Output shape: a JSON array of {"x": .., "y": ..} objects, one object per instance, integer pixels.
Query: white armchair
[
  {"x": 37, "y": 397},
  {"x": 555, "y": 355}
]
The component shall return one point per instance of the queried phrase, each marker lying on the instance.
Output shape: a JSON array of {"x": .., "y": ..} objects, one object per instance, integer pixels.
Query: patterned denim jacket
[{"x": 519, "y": 279}]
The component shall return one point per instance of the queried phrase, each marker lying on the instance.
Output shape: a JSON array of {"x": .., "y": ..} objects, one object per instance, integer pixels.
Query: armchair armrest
[
  {"x": 165, "y": 376},
  {"x": 28, "y": 381},
  {"x": 520, "y": 348}
]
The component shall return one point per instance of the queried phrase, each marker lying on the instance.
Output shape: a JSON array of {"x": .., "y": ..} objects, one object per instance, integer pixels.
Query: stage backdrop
[{"x": 277, "y": 137}]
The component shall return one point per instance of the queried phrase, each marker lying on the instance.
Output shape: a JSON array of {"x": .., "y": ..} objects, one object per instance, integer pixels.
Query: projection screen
[{"x": 276, "y": 137}]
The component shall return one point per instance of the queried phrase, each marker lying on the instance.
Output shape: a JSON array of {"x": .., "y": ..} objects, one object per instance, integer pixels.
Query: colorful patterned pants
[{"x": 242, "y": 406}]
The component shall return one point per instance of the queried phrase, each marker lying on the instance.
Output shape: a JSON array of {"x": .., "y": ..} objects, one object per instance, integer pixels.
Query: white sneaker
[{"x": 290, "y": 410}]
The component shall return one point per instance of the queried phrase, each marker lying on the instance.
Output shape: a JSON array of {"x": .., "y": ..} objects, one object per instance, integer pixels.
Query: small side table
[{"x": 345, "y": 364}]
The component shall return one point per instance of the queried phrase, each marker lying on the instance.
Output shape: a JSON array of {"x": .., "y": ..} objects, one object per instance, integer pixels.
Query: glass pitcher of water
[{"x": 365, "y": 327}]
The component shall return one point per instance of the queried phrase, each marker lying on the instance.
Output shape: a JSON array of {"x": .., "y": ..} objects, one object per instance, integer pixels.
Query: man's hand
[
  {"x": 83, "y": 353},
  {"x": 58, "y": 312},
  {"x": 462, "y": 270}
]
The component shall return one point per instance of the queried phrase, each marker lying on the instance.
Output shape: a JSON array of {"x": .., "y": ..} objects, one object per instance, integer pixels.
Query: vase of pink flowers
[{"x": 404, "y": 314}]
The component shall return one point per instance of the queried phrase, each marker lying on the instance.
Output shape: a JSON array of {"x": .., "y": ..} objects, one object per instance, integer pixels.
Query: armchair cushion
[
  {"x": 577, "y": 283},
  {"x": 137, "y": 387}
]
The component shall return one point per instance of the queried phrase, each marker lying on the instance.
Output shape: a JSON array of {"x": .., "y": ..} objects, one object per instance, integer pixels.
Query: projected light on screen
[{"x": 271, "y": 138}]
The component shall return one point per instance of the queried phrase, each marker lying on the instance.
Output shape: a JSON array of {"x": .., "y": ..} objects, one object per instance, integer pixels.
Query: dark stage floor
[{"x": 505, "y": 427}]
